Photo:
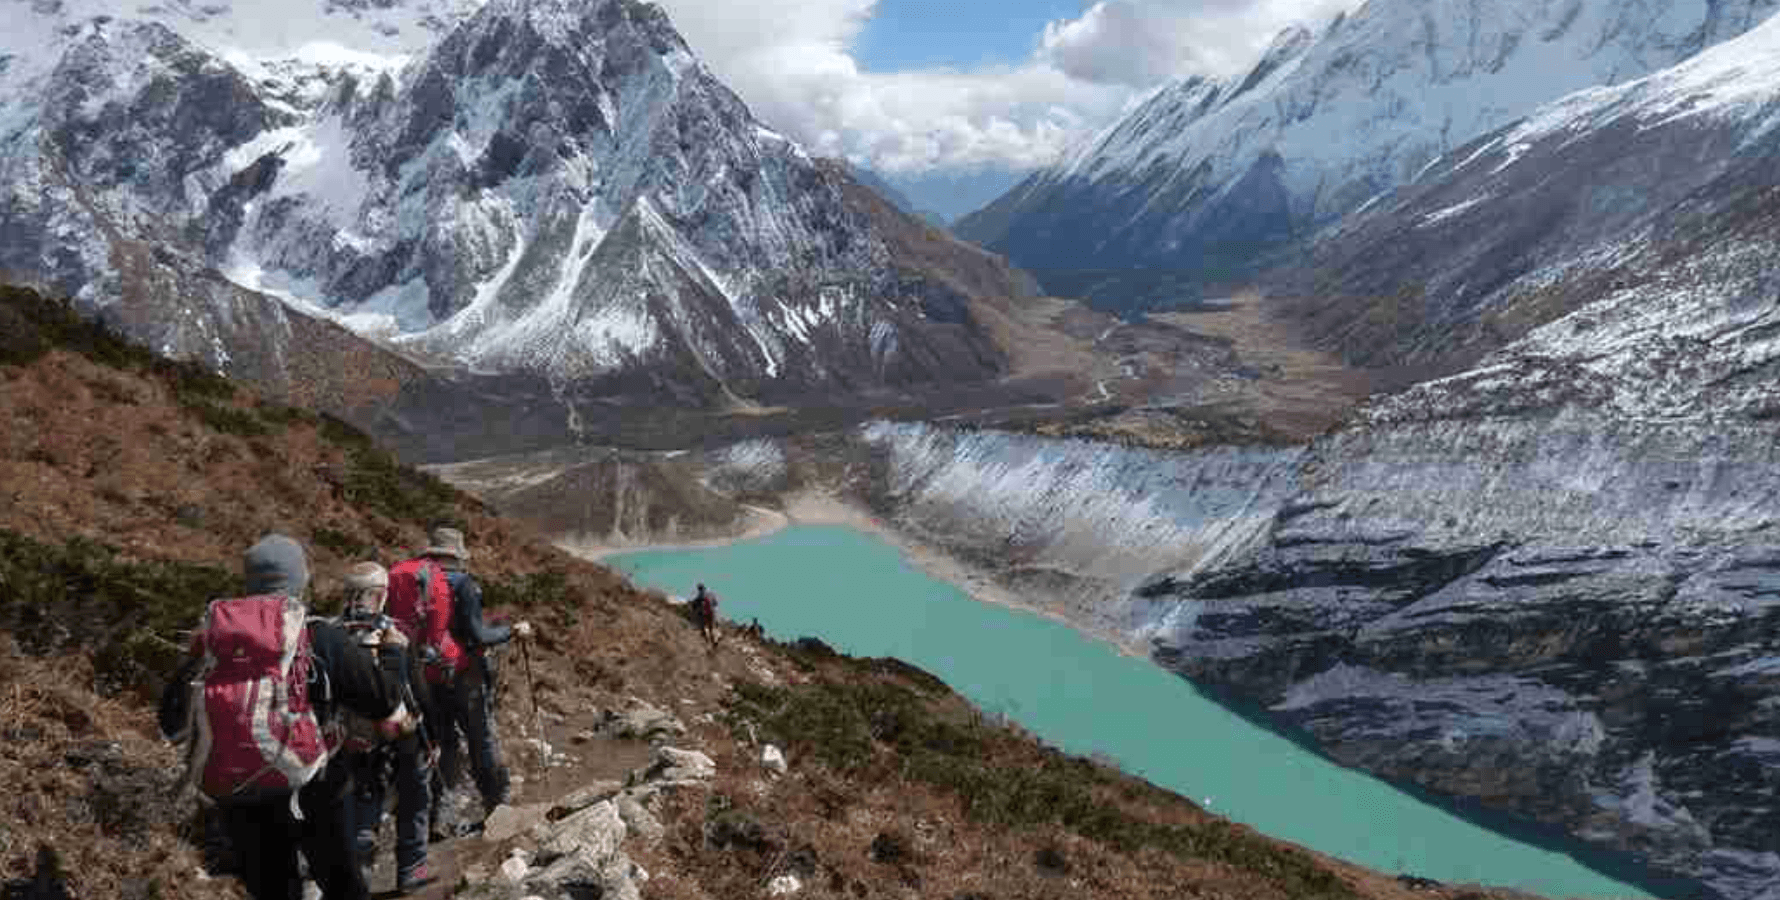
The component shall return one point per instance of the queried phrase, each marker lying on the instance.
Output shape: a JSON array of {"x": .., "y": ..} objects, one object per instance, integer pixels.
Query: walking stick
[{"x": 531, "y": 686}]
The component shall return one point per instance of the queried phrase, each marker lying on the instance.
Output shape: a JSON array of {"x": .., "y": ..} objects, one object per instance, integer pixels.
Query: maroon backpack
[{"x": 254, "y": 730}]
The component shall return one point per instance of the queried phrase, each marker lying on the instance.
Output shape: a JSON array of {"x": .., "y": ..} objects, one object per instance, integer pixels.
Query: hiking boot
[{"x": 414, "y": 879}]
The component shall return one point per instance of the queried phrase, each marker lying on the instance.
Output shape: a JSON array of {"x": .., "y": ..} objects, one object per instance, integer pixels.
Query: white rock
[
  {"x": 674, "y": 764},
  {"x": 640, "y": 821},
  {"x": 507, "y": 822},
  {"x": 773, "y": 759},
  {"x": 587, "y": 796},
  {"x": 514, "y": 869},
  {"x": 594, "y": 833},
  {"x": 784, "y": 885}
]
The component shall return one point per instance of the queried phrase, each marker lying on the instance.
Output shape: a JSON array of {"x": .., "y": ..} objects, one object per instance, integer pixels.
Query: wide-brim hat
[
  {"x": 367, "y": 576},
  {"x": 447, "y": 542}
]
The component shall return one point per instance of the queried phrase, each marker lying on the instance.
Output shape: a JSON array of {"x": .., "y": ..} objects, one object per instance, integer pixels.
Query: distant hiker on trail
[
  {"x": 258, "y": 707},
  {"x": 704, "y": 612},
  {"x": 463, "y": 691},
  {"x": 380, "y": 751}
]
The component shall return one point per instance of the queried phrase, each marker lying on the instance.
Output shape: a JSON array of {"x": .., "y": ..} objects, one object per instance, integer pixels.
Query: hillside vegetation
[{"x": 130, "y": 484}]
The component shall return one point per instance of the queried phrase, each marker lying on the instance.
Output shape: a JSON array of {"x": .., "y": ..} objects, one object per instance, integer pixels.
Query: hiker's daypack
[
  {"x": 420, "y": 603},
  {"x": 253, "y": 726},
  {"x": 361, "y": 734}
]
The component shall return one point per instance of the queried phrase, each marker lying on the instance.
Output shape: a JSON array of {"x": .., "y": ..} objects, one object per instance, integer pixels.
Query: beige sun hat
[
  {"x": 367, "y": 585},
  {"x": 367, "y": 576},
  {"x": 447, "y": 542}
]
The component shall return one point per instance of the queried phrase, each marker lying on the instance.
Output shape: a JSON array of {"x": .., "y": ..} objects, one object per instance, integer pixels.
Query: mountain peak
[
  {"x": 555, "y": 188},
  {"x": 1352, "y": 113}
]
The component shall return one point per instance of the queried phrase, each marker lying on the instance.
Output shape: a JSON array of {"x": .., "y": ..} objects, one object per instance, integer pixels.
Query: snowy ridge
[
  {"x": 1206, "y": 173},
  {"x": 556, "y": 187},
  {"x": 1569, "y": 205},
  {"x": 1725, "y": 81}
]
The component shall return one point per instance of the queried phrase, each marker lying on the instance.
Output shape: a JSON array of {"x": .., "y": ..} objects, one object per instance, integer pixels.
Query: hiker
[
  {"x": 463, "y": 683},
  {"x": 376, "y": 753},
  {"x": 704, "y": 612},
  {"x": 275, "y": 778}
]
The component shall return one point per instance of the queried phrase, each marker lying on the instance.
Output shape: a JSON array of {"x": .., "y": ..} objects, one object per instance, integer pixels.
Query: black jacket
[
  {"x": 345, "y": 677},
  {"x": 467, "y": 624}
]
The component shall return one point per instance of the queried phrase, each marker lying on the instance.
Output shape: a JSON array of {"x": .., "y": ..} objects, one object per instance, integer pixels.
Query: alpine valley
[{"x": 1470, "y": 475}]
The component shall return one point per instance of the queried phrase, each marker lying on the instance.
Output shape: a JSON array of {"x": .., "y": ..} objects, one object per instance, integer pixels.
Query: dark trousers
[
  {"x": 412, "y": 773},
  {"x": 461, "y": 708},
  {"x": 266, "y": 838}
]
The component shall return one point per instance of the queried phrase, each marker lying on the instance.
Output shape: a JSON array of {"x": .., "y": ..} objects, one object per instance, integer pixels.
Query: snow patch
[{"x": 1453, "y": 211}]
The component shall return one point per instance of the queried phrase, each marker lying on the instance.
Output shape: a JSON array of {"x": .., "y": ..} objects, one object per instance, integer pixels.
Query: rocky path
[{"x": 596, "y": 747}]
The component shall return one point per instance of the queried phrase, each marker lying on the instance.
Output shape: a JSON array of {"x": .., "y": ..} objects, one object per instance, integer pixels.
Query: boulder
[
  {"x": 514, "y": 869},
  {"x": 639, "y": 819},
  {"x": 507, "y": 822},
  {"x": 583, "y": 873},
  {"x": 644, "y": 722},
  {"x": 585, "y": 797},
  {"x": 595, "y": 832},
  {"x": 676, "y": 767}
]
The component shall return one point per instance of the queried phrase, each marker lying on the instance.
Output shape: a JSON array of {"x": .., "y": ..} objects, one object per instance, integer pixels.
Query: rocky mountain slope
[
  {"x": 549, "y": 188},
  {"x": 1207, "y": 174},
  {"x": 137, "y": 482},
  {"x": 1545, "y": 584},
  {"x": 1586, "y": 197}
]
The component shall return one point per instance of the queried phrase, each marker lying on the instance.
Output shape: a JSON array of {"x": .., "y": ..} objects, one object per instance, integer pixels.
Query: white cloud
[
  {"x": 796, "y": 71},
  {"x": 1142, "y": 42}
]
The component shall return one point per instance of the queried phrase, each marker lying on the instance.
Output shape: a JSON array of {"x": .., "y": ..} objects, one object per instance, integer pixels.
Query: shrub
[
  {"x": 375, "y": 481},
  {"x": 537, "y": 590},
  {"x": 133, "y": 615},
  {"x": 342, "y": 543},
  {"x": 879, "y": 726},
  {"x": 228, "y": 419}
]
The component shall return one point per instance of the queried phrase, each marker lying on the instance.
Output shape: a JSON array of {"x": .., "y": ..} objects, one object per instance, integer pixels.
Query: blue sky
[{"x": 961, "y": 34}]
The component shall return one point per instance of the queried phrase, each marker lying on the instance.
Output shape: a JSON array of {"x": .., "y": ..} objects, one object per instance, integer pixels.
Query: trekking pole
[{"x": 531, "y": 686}]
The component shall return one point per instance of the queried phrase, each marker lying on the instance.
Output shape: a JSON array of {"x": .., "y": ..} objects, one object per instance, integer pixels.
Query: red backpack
[
  {"x": 253, "y": 729},
  {"x": 420, "y": 603}
]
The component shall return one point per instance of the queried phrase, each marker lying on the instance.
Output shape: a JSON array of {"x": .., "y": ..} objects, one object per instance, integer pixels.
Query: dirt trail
[{"x": 581, "y": 762}]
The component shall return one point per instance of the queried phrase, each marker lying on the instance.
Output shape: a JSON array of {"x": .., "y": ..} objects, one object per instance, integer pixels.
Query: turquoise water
[{"x": 859, "y": 595}]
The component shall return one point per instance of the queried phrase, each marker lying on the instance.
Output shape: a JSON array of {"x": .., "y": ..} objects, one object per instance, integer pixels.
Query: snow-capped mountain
[
  {"x": 1206, "y": 174},
  {"x": 552, "y": 187},
  {"x": 1586, "y": 198},
  {"x": 37, "y": 30}
]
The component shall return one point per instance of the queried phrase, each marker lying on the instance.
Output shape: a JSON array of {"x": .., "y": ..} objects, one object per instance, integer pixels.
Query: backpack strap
[{"x": 196, "y": 731}]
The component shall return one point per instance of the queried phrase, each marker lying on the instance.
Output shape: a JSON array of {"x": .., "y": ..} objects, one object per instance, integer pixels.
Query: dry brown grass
[
  {"x": 89, "y": 777},
  {"x": 127, "y": 459}
]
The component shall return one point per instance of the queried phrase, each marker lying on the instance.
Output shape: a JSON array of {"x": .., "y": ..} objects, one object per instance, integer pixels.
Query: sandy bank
[{"x": 825, "y": 509}]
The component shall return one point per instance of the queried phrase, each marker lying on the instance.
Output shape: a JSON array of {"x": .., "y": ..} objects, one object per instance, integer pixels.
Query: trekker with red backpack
[
  {"x": 463, "y": 696},
  {"x": 258, "y": 706},
  {"x": 419, "y": 602}
]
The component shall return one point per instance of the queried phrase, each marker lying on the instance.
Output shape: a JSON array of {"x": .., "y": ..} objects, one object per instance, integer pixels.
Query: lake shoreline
[
  {"x": 813, "y": 508},
  {"x": 1155, "y": 757}
]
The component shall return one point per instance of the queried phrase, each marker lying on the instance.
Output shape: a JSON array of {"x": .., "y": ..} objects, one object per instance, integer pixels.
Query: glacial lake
[{"x": 862, "y": 597}]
